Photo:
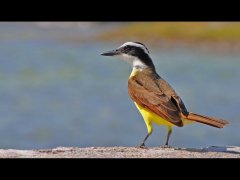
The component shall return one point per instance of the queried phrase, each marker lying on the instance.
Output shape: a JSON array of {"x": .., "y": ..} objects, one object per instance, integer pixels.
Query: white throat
[{"x": 133, "y": 61}]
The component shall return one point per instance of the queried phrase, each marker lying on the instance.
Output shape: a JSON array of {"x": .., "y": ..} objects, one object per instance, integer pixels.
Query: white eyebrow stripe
[{"x": 136, "y": 45}]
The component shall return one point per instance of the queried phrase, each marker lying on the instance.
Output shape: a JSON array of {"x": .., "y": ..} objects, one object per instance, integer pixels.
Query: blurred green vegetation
[{"x": 185, "y": 31}]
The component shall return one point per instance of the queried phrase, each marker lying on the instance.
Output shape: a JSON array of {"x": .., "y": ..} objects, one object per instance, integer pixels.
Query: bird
[{"x": 154, "y": 97}]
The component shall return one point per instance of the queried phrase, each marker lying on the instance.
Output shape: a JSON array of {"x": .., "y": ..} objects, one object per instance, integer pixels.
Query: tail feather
[{"x": 212, "y": 121}]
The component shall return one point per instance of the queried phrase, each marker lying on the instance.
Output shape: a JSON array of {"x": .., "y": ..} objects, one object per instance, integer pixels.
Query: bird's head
[{"x": 134, "y": 53}]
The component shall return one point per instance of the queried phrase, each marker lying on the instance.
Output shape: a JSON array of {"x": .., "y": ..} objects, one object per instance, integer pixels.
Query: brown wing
[
  {"x": 170, "y": 93},
  {"x": 155, "y": 101}
]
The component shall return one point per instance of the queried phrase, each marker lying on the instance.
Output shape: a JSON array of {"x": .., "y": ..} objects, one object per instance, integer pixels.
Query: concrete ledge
[{"x": 123, "y": 152}]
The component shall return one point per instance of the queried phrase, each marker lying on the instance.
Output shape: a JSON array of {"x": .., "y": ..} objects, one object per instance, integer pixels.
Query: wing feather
[{"x": 149, "y": 96}]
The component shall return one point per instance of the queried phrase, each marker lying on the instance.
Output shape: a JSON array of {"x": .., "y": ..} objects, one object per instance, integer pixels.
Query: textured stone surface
[{"x": 123, "y": 152}]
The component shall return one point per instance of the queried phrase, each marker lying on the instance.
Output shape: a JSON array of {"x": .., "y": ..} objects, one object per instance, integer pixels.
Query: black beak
[{"x": 110, "y": 53}]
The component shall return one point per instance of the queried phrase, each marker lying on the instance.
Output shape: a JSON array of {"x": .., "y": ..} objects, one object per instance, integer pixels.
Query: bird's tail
[{"x": 211, "y": 121}]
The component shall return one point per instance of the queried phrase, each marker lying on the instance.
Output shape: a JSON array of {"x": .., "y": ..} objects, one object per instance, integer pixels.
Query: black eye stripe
[
  {"x": 128, "y": 48},
  {"x": 142, "y": 45},
  {"x": 138, "y": 52}
]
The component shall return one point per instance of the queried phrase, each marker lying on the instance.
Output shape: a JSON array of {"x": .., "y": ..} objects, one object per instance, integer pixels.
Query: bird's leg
[
  {"x": 168, "y": 135},
  {"x": 143, "y": 143},
  {"x": 149, "y": 129}
]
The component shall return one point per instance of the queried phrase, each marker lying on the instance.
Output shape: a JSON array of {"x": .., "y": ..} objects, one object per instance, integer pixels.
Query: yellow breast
[{"x": 152, "y": 117}]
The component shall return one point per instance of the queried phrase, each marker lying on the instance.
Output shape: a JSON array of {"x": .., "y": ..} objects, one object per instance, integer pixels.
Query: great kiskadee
[{"x": 156, "y": 100}]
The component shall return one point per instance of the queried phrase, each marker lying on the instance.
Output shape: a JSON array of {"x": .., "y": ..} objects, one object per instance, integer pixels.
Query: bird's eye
[{"x": 127, "y": 48}]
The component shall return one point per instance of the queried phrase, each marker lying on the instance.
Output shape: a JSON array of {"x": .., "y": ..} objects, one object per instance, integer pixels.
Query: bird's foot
[{"x": 142, "y": 146}]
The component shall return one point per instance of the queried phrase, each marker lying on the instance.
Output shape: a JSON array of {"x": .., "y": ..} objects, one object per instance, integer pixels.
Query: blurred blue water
[{"x": 55, "y": 93}]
